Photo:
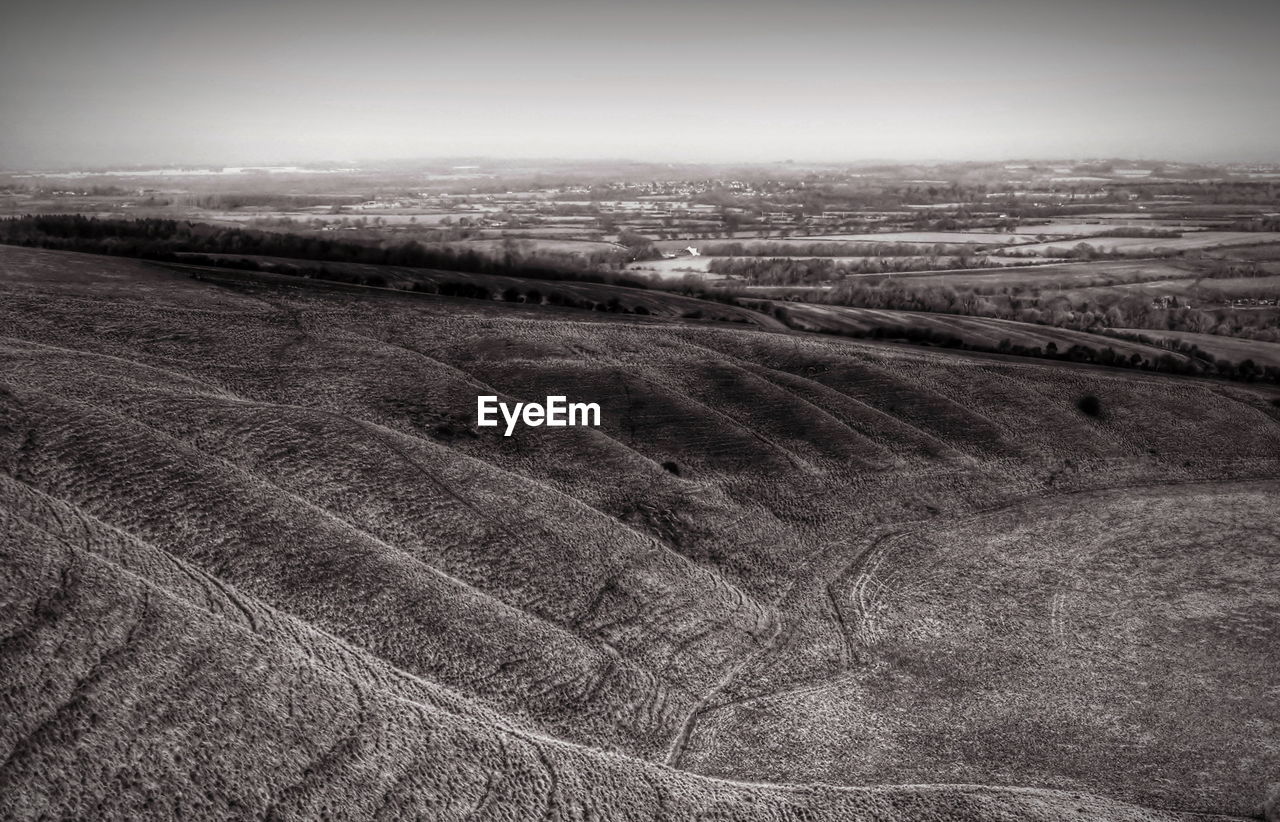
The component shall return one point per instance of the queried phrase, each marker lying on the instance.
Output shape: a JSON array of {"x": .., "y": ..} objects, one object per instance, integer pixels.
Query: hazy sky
[{"x": 100, "y": 82}]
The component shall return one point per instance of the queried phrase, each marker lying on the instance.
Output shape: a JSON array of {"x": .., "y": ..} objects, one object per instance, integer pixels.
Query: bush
[{"x": 1090, "y": 405}]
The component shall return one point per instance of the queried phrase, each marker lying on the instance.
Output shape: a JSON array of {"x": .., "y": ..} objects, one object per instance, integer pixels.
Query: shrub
[{"x": 1090, "y": 405}]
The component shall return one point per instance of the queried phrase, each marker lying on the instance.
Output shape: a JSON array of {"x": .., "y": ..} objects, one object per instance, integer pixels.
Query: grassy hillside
[
  {"x": 259, "y": 561},
  {"x": 303, "y": 726},
  {"x": 603, "y": 297},
  {"x": 1036, "y": 638}
]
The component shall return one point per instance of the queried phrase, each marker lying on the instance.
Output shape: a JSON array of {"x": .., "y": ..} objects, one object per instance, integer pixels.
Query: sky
[{"x": 96, "y": 83}]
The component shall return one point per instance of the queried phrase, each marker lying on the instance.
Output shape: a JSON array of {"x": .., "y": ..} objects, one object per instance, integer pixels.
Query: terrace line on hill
[{"x": 556, "y": 413}]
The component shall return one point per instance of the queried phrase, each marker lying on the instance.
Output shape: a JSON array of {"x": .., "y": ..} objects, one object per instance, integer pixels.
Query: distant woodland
[{"x": 162, "y": 239}]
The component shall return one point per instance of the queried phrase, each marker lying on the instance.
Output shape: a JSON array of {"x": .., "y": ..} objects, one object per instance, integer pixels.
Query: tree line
[
  {"x": 1194, "y": 362},
  {"x": 787, "y": 271},
  {"x": 1090, "y": 311},
  {"x": 169, "y": 240},
  {"x": 838, "y": 249}
]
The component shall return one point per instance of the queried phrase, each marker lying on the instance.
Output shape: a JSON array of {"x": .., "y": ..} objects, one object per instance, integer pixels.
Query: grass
[
  {"x": 1019, "y": 637},
  {"x": 571, "y": 294},
  {"x": 258, "y": 560}
]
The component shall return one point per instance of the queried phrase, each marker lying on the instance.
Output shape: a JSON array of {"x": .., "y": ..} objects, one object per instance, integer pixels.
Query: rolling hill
[{"x": 259, "y": 562}]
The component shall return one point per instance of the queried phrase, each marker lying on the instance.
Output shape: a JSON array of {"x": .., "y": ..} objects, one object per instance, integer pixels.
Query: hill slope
[{"x": 258, "y": 561}]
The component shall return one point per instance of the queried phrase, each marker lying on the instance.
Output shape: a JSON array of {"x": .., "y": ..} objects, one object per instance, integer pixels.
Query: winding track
[{"x": 853, "y": 628}]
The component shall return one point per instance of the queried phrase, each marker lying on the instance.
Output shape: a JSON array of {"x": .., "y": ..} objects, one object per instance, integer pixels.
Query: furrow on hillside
[
  {"x": 453, "y": 760},
  {"x": 313, "y": 564},
  {"x": 278, "y": 439}
]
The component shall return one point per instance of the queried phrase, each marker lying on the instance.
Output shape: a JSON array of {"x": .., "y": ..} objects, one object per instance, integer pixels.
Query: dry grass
[
  {"x": 1128, "y": 626},
  {"x": 577, "y": 296},
  {"x": 258, "y": 562}
]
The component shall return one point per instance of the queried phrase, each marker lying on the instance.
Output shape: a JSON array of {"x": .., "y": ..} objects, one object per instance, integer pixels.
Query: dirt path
[{"x": 854, "y": 625}]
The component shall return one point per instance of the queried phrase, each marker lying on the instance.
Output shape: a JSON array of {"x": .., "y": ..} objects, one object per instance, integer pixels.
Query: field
[
  {"x": 922, "y": 238},
  {"x": 400, "y": 219},
  {"x": 927, "y": 237},
  {"x": 981, "y": 332},
  {"x": 1268, "y": 252},
  {"x": 674, "y": 267},
  {"x": 536, "y": 242},
  {"x": 678, "y": 266},
  {"x": 1064, "y": 276},
  {"x": 1188, "y": 285},
  {"x": 259, "y": 562},
  {"x": 1142, "y": 247},
  {"x": 1230, "y": 348},
  {"x": 1104, "y": 224}
]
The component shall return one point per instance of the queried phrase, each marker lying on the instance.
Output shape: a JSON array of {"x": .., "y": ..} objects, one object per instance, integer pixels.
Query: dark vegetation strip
[
  {"x": 165, "y": 240},
  {"x": 1054, "y": 304}
]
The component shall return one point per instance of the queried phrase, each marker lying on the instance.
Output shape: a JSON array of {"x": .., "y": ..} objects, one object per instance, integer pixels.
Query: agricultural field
[
  {"x": 855, "y": 241},
  {"x": 1266, "y": 252},
  {"x": 674, "y": 266},
  {"x": 979, "y": 332},
  {"x": 254, "y": 548},
  {"x": 266, "y": 217},
  {"x": 928, "y": 237},
  {"x": 1064, "y": 276},
  {"x": 1230, "y": 348},
  {"x": 1188, "y": 285},
  {"x": 536, "y": 242},
  {"x": 678, "y": 266},
  {"x": 553, "y": 236},
  {"x": 1058, "y": 230},
  {"x": 1145, "y": 247}
]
